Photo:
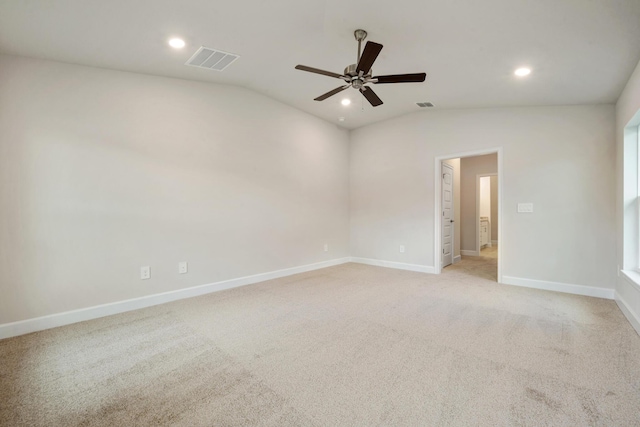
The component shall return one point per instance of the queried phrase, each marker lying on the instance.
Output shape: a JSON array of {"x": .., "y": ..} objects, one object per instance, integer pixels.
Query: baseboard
[
  {"x": 22, "y": 327},
  {"x": 631, "y": 280},
  {"x": 469, "y": 253},
  {"x": 628, "y": 312},
  {"x": 457, "y": 259},
  {"x": 393, "y": 264},
  {"x": 494, "y": 242},
  {"x": 560, "y": 287}
]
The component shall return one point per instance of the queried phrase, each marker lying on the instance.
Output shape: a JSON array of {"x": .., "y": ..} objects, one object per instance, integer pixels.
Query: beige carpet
[
  {"x": 484, "y": 266},
  {"x": 351, "y": 345},
  {"x": 490, "y": 251}
]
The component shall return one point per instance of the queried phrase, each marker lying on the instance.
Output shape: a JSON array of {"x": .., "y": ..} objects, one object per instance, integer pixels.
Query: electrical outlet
[
  {"x": 145, "y": 272},
  {"x": 525, "y": 207},
  {"x": 401, "y": 249},
  {"x": 182, "y": 267},
  {"x": 326, "y": 247}
]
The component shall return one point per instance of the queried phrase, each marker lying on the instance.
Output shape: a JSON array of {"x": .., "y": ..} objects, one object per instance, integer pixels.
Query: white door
[{"x": 447, "y": 215}]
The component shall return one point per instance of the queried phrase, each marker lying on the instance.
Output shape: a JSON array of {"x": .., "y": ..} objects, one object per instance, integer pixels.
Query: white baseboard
[
  {"x": 560, "y": 287},
  {"x": 631, "y": 281},
  {"x": 494, "y": 242},
  {"x": 22, "y": 327},
  {"x": 393, "y": 264},
  {"x": 457, "y": 259},
  {"x": 628, "y": 312},
  {"x": 469, "y": 253}
]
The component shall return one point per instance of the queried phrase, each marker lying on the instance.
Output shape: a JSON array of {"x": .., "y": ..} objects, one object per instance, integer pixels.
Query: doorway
[
  {"x": 476, "y": 236},
  {"x": 487, "y": 215}
]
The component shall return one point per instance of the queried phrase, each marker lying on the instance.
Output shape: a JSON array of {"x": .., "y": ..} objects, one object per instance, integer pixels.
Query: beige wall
[
  {"x": 102, "y": 172},
  {"x": 470, "y": 168},
  {"x": 561, "y": 159}
]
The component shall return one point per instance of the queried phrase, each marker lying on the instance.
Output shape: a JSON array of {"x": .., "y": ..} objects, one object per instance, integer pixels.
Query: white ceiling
[{"x": 581, "y": 51}]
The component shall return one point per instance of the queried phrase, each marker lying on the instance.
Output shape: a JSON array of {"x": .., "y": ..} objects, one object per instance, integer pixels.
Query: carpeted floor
[
  {"x": 490, "y": 251},
  {"x": 484, "y": 266},
  {"x": 351, "y": 345}
]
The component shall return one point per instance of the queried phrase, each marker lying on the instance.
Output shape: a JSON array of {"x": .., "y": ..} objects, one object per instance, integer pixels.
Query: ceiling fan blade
[
  {"x": 369, "y": 55},
  {"x": 318, "y": 71},
  {"x": 402, "y": 78},
  {"x": 331, "y": 93},
  {"x": 371, "y": 96}
]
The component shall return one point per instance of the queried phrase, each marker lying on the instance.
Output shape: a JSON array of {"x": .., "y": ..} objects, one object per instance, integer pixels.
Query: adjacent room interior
[
  {"x": 319, "y": 213},
  {"x": 470, "y": 215}
]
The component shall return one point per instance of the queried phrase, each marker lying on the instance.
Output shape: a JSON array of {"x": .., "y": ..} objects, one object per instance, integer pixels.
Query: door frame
[
  {"x": 478, "y": 176},
  {"x": 437, "y": 196},
  {"x": 453, "y": 203}
]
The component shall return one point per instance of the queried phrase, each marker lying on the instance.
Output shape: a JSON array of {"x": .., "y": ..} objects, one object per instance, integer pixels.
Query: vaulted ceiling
[{"x": 580, "y": 51}]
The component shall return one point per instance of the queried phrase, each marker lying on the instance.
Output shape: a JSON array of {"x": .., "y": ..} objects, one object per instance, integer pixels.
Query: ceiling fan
[{"x": 359, "y": 74}]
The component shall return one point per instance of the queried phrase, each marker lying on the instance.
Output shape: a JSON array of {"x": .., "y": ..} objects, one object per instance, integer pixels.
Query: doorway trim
[
  {"x": 437, "y": 223},
  {"x": 453, "y": 203}
]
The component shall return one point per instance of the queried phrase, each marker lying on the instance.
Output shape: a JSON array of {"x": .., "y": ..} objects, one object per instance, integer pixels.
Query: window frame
[
  {"x": 630, "y": 209},
  {"x": 637, "y": 212}
]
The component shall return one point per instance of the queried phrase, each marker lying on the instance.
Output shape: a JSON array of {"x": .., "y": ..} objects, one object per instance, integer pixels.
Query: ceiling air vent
[
  {"x": 211, "y": 59},
  {"x": 425, "y": 104}
]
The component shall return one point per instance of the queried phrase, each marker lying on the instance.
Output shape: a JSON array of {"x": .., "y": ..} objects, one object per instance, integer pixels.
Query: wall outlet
[
  {"x": 525, "y": 207},
  {"x": 326, "y": 247},
  {"x": 401, "y": 249},
  {"x": 145, "y": 272},
  {"x": 182, "y": 267}
]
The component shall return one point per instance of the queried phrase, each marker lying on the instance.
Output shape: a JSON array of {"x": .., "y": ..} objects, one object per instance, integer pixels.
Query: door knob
[{"x": 451, "y": 220}]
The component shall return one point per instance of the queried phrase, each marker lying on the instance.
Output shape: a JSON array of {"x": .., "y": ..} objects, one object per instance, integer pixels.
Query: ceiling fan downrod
[{"x": 360, "y": 35}]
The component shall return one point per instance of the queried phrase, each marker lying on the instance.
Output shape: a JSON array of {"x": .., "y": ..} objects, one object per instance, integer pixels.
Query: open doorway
[
  {"x": 468, "y": 213},
  {"x": 487, "y": 214}
]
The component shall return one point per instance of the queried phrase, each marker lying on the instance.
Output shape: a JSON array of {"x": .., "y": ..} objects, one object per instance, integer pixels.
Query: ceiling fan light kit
[{"x": 358, "y": 75}]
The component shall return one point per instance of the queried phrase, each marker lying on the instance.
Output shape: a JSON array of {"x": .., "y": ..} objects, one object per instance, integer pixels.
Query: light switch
[
  {"x": 401, "y": 249},
  {"x": 525, "y": 207}
]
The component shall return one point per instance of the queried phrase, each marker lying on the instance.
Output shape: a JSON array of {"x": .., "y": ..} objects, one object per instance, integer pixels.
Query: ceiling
[{"x": 580, "y": 51}]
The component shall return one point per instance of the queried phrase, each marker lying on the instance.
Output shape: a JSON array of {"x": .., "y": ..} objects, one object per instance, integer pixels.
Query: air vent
[
  {"x": 425, "y": 104},
  {"x": 211, "y": 59}
]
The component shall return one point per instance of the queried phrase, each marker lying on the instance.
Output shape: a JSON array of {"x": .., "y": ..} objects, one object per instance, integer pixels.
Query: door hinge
[{"x": 443, "y": 250}]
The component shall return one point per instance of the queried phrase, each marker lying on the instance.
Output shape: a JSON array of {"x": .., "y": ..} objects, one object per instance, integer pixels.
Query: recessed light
[
  {"x": 177, "y": 43},
  {"x": 341, "y": 119},
  {"x": 521, "y": 72},
  {"x": 346, "y": 101}
]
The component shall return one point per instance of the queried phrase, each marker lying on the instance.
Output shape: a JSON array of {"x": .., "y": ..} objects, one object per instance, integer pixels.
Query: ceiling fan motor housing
[
  {"x": 351, "y": 71},
  {"x": 356, "y": 81}
]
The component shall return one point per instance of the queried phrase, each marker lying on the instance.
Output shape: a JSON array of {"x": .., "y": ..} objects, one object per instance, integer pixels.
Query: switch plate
[
  {"x": 326, "y": 247},
  {"x": 401, "y": 249},
  {"x": 145, "y": 272},
  {"x": 182, "y": 267},
  {"x": 525, "y": 207}
]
